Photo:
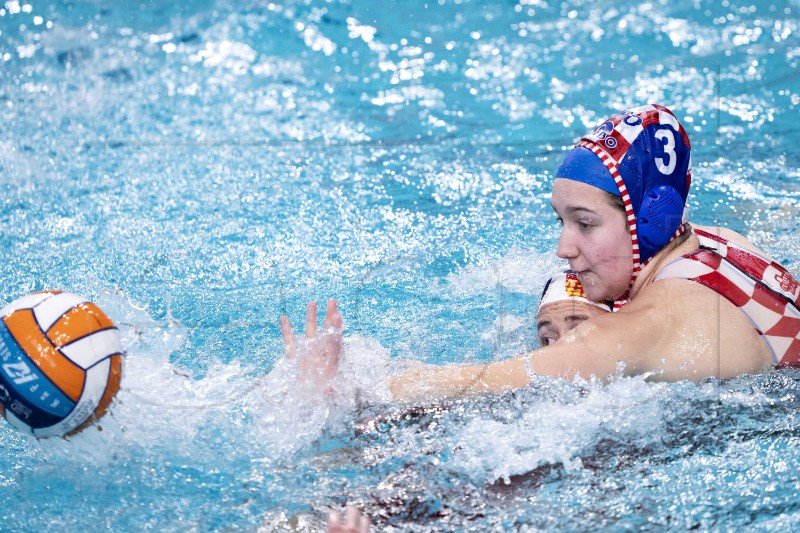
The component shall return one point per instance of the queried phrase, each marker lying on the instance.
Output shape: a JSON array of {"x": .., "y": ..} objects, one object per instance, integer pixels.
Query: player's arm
[{"x": 594, "y": 348}]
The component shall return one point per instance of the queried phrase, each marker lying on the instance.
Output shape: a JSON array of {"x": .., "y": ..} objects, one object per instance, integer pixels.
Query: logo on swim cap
[
  {"x": 565, "y": 285},
  {"x": 573, "y": 287},
  {"x": 603, "y": 130},
  {"x": 630, "y": 119}
]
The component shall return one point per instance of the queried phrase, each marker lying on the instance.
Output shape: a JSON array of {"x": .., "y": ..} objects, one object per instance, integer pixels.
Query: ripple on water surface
[{"x": 200, "y": 168}]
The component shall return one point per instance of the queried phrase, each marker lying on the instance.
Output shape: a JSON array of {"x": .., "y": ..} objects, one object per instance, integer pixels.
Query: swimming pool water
[{"x": 200, "y": 168}]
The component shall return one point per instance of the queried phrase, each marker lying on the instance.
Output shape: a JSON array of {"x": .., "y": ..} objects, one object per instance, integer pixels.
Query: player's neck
[{"x": 670, "y": 252}]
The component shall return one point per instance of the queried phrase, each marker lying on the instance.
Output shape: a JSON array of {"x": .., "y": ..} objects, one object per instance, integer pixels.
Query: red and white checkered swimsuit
[{"x": 765, "y": 291}]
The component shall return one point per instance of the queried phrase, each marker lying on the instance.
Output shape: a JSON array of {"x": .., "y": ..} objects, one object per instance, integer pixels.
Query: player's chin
[
  {"x": 595, "y": 295},
  {"x": 595, "y": 288}
]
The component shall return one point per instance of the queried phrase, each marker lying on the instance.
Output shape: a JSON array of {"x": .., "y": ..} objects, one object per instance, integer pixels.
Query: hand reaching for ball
[{"x": 316, "y": 355}]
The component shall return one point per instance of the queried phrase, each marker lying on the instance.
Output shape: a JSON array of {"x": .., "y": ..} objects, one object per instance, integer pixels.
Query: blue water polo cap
[
  {"x": 582, "y": 165},
  {"x": 646, "y": 155}
]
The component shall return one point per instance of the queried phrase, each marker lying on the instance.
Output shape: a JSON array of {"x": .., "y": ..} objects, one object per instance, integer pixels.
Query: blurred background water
[{"x": 200, "y": 168}]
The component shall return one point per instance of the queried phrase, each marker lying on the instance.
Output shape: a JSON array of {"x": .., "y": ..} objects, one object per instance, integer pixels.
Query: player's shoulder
[
  {"x": 732, "y": 236},
  {"x": 674, "y": 304},
  {"x": 697, "y": 310}
]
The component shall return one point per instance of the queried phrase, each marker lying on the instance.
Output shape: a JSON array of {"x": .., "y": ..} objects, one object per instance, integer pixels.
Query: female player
[
  {"x": 692, "y": 302},
  {"x": 563, "y": 306}
]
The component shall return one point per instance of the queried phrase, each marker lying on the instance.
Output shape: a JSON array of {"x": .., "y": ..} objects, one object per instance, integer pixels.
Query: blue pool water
[{"x": 200, "y": 168}]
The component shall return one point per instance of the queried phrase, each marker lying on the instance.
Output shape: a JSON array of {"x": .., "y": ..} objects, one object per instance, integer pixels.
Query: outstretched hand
[{"x": 316, "y": 355}]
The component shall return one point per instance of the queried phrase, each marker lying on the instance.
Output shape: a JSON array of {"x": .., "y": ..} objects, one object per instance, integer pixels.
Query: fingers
[
  {"x": 351, "y": 517},
  {"x": 333, "y": 521},
  {"x": 336, "y": 322},
  {"x": 332, "y": 320},
  {"x": 332, "y": 317},
  {"x": 311, "y": 320},
  {"x": 356, "y": 521},
  {"x": 289, "y": 341}
]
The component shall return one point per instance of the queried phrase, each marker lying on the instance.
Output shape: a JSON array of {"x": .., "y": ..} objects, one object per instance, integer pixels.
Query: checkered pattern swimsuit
[{"x": 765, "y": 291}]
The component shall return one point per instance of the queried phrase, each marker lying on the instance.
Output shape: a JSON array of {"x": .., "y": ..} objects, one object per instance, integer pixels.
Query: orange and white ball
[{"x": 60, "y": 363}]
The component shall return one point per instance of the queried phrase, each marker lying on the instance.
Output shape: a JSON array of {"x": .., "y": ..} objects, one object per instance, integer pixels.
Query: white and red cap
[{"x": 565, "y": 285}]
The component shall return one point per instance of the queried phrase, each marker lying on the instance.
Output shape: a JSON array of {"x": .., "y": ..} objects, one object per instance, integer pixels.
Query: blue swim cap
[
  {"x": 582, "y": 165},
  {"x": 645, "y": 153}
]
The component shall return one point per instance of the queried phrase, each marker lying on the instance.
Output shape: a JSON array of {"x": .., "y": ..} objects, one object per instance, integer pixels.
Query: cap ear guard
[{"x": 660, "y": 215}]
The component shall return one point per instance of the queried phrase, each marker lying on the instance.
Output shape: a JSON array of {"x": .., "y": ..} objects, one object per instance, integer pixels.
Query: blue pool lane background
[{"x": 199, "y": 169}]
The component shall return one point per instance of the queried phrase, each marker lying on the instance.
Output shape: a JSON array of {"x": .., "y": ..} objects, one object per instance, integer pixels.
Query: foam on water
[
  {"x": 657, "y": 437},
  {"x": 201, "y": 168}
]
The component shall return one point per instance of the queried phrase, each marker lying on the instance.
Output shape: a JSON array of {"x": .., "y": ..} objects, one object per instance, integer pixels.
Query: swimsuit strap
[
  {"x": 754, "y": 264},
  {"x": 762, "y": 289}
]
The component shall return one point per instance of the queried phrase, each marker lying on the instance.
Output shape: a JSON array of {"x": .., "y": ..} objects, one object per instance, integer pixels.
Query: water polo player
[
  {"x": 563, "y": 306},
  {"x": 692, "y": 302}
]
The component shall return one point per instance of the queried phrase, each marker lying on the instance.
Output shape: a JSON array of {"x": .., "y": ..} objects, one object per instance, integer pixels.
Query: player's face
[
  {"x": 556, "y": 319},
  {"x": 594, "y": 239}
]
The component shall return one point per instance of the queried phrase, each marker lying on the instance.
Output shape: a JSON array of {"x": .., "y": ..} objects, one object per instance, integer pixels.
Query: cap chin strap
[{"x": 611, "y": 165}]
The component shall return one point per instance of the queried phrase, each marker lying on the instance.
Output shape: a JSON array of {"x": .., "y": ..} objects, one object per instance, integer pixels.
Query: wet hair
[
  {"x": 683, "y": 237},
  {"x": 616, "y": 201}
]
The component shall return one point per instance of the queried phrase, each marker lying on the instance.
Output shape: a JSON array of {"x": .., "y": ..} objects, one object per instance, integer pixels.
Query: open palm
[{"x": 316, "y": 355}]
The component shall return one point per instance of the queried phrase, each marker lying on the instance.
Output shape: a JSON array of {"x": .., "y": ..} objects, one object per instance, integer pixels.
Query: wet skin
[
  {"x": 594, "y": 239},
  {"x": 556, "y": 319}
]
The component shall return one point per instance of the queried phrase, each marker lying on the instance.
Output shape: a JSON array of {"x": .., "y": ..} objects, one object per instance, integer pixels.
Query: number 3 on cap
[{"x": 666, "y": 167}]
